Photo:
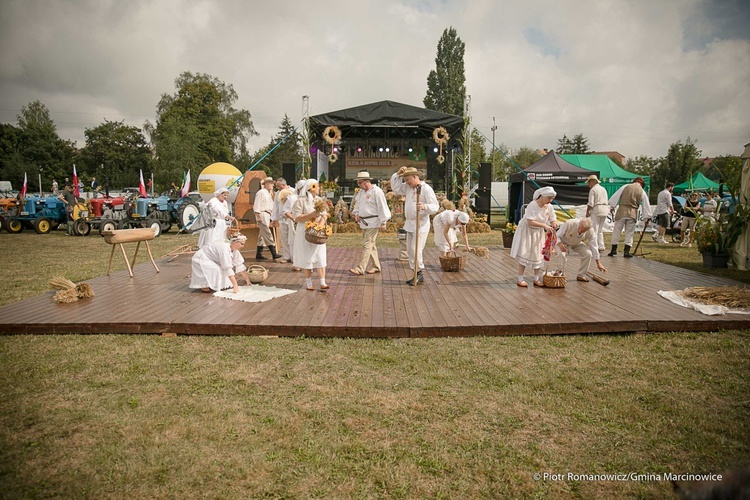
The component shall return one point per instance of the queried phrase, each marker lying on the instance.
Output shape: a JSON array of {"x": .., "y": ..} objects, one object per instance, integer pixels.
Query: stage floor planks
[{"x": 483, "y": 299}]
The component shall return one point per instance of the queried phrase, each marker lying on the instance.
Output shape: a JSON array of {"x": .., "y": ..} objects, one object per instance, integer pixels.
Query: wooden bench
[{"x": 120, "y": 236}]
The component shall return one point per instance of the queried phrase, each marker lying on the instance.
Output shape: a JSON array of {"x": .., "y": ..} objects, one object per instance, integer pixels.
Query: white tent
[{"x": 741, "y": 249}]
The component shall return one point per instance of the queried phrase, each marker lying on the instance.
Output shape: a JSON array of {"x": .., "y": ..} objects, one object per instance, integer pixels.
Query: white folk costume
[
  {"x": 219, "y": 211},
  {"x": 213, "y": 264},
  {"x": 584, "y": 244},
  {"x": 598, "y": 210},
  {"x": 627, "y": 199},
  {"x": 528, "y": 240},
  {"x": 451, "y": 219},
  {"x": 429, "y": 200},
  {"x": 286, "y": 225},
  {"x": 306, "y": 255},
  {"x": 372, "y": 209},
  {"x": 263, "y": 206}
]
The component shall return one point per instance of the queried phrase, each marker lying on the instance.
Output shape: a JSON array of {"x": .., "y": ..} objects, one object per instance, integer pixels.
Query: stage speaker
[
  {"x": 484, "y": 192},
  {"x": 287, "y": 172}
]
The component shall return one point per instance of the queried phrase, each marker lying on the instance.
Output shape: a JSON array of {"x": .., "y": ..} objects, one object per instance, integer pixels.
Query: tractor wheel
[
  {"x": 186, "y": 213},
  {"x": 42, "y": 225},
  {"x": 123, "y": 224},
  {"x": 106, "y": 225},
  {"x": 14, "y": 226},
  {"x": 153, "y": 224},
  {"x": 2, "y": 223},
  {"x": 54, "y": 225},
  {"x": 81, "y": 228}
]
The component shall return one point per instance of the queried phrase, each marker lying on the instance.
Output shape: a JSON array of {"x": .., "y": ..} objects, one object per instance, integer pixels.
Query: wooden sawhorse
[{"x": 120, "y": 236}]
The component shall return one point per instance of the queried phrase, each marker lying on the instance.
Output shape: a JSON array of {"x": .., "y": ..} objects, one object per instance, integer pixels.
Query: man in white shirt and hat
[
  {"x": 405, "y": 182},
  {"x": 263, "y": 206},
  {"x": 597, "y": 209},
  {"x": 371, "y": 212},
  {"x": 577, "y": 235}
]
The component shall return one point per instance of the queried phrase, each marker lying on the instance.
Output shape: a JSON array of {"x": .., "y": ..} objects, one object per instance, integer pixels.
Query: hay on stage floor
[{"x": 712, "y": 300}]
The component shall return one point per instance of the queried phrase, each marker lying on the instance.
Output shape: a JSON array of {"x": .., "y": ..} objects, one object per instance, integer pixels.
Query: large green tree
[
  {"x": 578, "y": 145},
  {"x": 35, "y": 148},
  {"x": 727, "y": 170},
  {"x": 446, "y": 84},
  {"x": 679, "y": 165},
  {"x": 504, "y": 166},
  {"x": 115, "y": 153},
  {"x": 196, "y": 126}
]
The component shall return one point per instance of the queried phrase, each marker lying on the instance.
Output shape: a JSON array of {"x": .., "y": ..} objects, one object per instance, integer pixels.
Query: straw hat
[
  {"x": 411, "y": 171},
  {"x": 267, "y": 180},
  {"x": 592, "y": 178},
  {"x": 363, "y": 175}
]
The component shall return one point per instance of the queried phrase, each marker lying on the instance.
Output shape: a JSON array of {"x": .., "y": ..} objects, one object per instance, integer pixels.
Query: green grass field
[{"x": 145, "y": 416}]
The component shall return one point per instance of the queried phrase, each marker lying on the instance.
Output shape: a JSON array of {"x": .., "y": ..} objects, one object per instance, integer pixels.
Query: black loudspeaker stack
[
  {"x": 287, "y": 172},
  {"x": 484, "y": 192}
]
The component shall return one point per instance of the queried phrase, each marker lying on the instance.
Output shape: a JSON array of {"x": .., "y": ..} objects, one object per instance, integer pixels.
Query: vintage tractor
[
  {"x": 45, "y": 214},
  {"x": 132, "y": 212}
]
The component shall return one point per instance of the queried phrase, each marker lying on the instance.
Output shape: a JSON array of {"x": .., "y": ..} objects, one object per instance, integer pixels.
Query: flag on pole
[
  {"x": 76, "y": 189},
  {"x": 25, "y": 186},
  {"x": 142, "y": 186},
  {"x": 185, "y": 184}
]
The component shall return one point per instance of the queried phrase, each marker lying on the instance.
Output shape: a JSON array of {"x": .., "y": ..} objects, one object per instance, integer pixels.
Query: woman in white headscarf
[
  {"x": 218, "y": 211},
  {"x": 214, "y": 266},
  {"x": 309, "y": 256},
  {"x": 445, "y": 224},
  {"x": 538, "y": 220}
]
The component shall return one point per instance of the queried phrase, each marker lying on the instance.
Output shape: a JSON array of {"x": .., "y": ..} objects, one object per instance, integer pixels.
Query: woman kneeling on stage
[{"x": 214, "y": 266}]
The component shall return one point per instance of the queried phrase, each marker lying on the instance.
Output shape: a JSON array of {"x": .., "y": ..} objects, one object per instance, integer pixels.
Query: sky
[{"x": 632, "y": 76}]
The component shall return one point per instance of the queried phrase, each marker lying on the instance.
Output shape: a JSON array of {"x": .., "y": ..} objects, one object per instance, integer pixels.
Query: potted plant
[
  {"x": 715, "y": 239},
  {"x": 508, "y": 231}
]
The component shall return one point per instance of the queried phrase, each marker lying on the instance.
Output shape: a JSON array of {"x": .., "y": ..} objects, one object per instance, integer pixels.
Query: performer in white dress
[
  {"x": 445, "y": 224},
  {"x": 528, "y": 241},
  {"x": 405, "y": 183},
  {"x": 214, "y": 266},
  {"x": 309, "y": 256},
  {"x": 219, "y": 210}
]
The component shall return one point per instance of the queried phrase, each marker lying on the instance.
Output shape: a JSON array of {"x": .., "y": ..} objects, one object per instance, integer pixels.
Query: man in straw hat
[
  {"x": 371, "y": 212},
  {"x": 597, "y": 209},
  {"x": 263, "y": 206},
  {"x": 405, "y": 183},
  {"x": 627, "y": 199}
]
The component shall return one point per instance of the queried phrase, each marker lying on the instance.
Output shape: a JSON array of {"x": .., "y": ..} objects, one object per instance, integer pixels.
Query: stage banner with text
[{"x": 381, "y": 167}]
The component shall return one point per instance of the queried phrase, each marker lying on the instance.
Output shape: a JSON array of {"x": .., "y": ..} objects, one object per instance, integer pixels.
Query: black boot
[
  {"x": 420, "y": 279},
  {"x": 627, "y": 253},
  {"x": 275, "y": 256},
  {"x": 613, "y": 252},
  {"x": 259, "y": 253}
]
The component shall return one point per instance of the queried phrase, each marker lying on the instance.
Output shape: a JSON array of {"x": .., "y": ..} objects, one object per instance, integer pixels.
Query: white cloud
[{"x": 631, "y": 76}]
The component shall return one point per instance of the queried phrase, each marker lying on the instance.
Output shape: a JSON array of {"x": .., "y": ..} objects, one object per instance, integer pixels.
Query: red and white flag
[
  {"x": 25, "y": 186},
  {"x": 185, "y": 185},
  {"x": 76, "y": 189},
  {"x": 142, "y": 186}
]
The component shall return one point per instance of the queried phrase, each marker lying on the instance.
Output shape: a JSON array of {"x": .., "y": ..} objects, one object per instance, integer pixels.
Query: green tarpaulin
[
  {"x": 611, "y": 176},
  {"x": 699, "y": 182}
]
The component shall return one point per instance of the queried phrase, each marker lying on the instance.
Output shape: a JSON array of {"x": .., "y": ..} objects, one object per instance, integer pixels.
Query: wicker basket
[
  {"x": 234, "y": 228},
  {"x": 317, "y": 237},
  {"x": 452, "y": 262},
  {"x": 550, "y": 280},
  {"x": 258, "y": 274}
]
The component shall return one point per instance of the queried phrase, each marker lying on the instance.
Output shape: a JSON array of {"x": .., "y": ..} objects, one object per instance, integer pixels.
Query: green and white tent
[
  {"x": 611, "y": 176},
  {"x": 699, "y": 182}
]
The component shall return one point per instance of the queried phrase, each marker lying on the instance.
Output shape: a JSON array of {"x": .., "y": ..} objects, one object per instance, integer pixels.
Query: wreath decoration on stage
[
  {"x": 332, "y": 134},
  {"x": 333, "y": 157},
  {"x": 417, "y": 155},
  {"x": 440, "y": 136}
]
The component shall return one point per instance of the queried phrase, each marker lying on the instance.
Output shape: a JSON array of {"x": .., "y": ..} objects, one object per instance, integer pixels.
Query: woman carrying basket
[
  {"x": 309, "y": 256},
  {"x": 528, "y": 241},
  {"x": 445, "y": 224}
]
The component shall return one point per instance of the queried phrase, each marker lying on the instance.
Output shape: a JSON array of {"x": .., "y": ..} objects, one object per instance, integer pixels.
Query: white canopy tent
[{"x": 741, "y": 249}]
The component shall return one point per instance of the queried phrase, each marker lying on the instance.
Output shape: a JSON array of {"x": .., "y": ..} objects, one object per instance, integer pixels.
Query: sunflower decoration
[
  {"x": 441, "y": 137},
  {"x": 332, "y": 134}
]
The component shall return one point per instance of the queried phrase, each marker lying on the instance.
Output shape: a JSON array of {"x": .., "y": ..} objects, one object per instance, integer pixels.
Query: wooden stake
[{"x": 416, "y": 241}]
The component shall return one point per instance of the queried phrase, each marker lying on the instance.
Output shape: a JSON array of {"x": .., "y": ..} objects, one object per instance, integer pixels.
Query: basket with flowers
[
  {"x": 316, "y": 230},
  {"x": 508, "y": 231}
]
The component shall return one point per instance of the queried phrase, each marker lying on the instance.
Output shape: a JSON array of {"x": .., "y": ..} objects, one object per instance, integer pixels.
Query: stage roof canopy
[{"x": 387, "y": 119}]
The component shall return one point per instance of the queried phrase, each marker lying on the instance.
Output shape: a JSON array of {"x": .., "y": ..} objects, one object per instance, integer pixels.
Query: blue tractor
[{"x": 44, "y": 214}]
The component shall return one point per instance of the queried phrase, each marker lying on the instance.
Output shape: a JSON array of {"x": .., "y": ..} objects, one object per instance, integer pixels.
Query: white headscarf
[
  {"x": 220, "y": 190},
  {"x": 545, "y": 191},
  {"x": 463, "y": 217},
  {"x": 300, "y": 185},
  {"x": 306, "y": 187}
]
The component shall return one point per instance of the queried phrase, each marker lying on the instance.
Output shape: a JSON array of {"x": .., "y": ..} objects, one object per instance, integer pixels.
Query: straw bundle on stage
[
  {"x": 66, "y": 296},
  {"x": 728, "y": 296},
  {"x": 481, "y": 252},
  {"x": 60, "y": 283},
  {"x": 84, "y": 291}
]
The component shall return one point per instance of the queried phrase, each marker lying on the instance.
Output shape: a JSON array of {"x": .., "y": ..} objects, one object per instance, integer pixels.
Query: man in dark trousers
[{"x": 70, "y": 201}]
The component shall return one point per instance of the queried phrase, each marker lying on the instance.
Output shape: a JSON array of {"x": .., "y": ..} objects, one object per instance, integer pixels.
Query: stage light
[
  {"x": 387, "y": 149},
  {"x": 411, "y": 149},
  {"x": 435, "y": 150},
  {"x": 359, "y": 149},
  {"x": 313, "y": 149},
  {"x": 335, "y": 150},
  {"x": 381, "y": 149}
]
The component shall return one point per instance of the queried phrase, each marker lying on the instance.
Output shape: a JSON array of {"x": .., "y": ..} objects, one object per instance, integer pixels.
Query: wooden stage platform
[{"x": 483, "y": 299}]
